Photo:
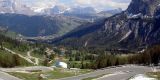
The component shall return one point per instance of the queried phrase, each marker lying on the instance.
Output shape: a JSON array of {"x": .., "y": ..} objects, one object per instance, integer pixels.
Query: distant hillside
[
  {"x": 109, "y": 13},
  {"x": 39, "y": 25}
]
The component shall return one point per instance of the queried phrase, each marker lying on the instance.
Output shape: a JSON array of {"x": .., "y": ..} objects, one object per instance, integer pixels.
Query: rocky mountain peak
[
  {"x": 157, "y": 12},
  {"x": 145, "y": 7},
  {"x": 135, "y": 28},
  {"x": 58, "y": 9}
]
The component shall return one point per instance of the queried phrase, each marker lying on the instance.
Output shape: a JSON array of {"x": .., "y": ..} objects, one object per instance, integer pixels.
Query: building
[{"x": 61, "y": 64}]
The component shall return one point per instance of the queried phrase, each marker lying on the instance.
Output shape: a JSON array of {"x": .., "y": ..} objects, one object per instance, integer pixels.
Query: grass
[
  {"x": 60, "y": 73},
  {"x": 10, "y": 60},
  {"x": 94, "y": 78},
  {"x": 35, "y": 76},
  {"x": 41, "y": 56},
  {"x": 90, "y": 78},
  {"x": 154, "y": 75},
  {"x": 38, "y": 54},
  {"x": 16, "y": 49},
  {"x": 26, "y": 76},
  {"x": 56, "y": 74},
  {"x": 3, "y": 52}
]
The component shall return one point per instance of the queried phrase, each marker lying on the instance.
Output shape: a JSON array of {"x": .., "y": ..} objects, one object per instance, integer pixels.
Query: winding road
[
  {"x": 28, "y": 58},
  {"x": 114, "y": 73},
  {"x": 31, "y": 57},
  {"x": 31, "y": 68},
  {"x": 110, "y": 73},
  {"x": 25, "y": 58},
  {"x": 5, "y": 76}
]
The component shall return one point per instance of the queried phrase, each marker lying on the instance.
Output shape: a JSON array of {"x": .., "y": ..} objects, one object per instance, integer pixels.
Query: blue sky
[{"x": 98, "y": 4}]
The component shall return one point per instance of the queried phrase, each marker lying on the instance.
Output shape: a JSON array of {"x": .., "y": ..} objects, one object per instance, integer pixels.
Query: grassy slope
[
  {"x": 154, "y": 75},
  {"x": 10, "y": 60},
  {"x": 25, "y": 76},
  {"x": 56, "y": 74},
  {"x": 17, "y": 47}
]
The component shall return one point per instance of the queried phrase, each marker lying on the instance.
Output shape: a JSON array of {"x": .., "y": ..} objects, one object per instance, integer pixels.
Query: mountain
[
  {"x": 6, "y": 6},
  {"x": 22, "y": 7},
  {"x": 19, "y": 7},
  {"x": 114, "y": 11},
  {"x": 90, "y": 13},
  {"x": 145, "y": 7},
  {"x": 109, "y": 13},
  {"x": 34, "y": 26},
  {"x": 135, "y": 28},
  {"x": 31, "y": 9},
  {"x": 81, "y": 12},
  {"x": 14, "y": 6},
  {"x": 57, "y": 9}
]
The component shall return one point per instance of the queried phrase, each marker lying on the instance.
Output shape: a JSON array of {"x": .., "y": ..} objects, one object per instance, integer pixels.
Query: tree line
[{"x": 150, "y": 56}]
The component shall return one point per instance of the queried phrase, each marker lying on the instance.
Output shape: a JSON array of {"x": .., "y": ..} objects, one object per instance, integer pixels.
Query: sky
[{"x": 97, "y": 4}]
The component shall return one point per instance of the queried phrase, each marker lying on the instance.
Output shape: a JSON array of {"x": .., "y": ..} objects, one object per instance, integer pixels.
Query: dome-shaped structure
[{"x": 61, "y": 64}]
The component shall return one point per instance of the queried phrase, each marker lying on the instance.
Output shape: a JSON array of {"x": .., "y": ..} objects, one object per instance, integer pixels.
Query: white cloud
[
  {"x": 102, "y": 4},
  {"x": 98, "y": 4},
  {"x": 39, "y": 3}
]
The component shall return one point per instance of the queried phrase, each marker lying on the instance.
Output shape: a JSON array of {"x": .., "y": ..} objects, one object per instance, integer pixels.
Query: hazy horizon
[{"x": 97, "y": 4}]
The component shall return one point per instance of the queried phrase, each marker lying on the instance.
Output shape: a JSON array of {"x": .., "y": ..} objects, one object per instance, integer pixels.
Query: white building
[{"x": 61, "y": 64}]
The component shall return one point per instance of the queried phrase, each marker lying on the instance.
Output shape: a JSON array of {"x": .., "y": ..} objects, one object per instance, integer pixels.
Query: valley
[{"x": 41, "y": 62}]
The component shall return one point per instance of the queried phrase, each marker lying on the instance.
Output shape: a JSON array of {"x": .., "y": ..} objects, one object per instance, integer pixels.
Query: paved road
[
  {"x": 42, "y": 68},
  {"x": 5, "y": 76},
  {"x": 118, "y": 73}
]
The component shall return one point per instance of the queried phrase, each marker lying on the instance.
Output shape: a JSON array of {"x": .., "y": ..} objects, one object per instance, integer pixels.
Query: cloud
[
  {"x": 98, "y": 4},
  {"x": 40, "y": 3},
  {"x": 104, "y": 4}
]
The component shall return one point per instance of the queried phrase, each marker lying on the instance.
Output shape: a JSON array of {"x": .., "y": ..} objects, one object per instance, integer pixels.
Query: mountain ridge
[
  {"x": 131, "y": 30},
  {"x": 19, "y": 7},
  {"x": 39, "y": 25}
]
